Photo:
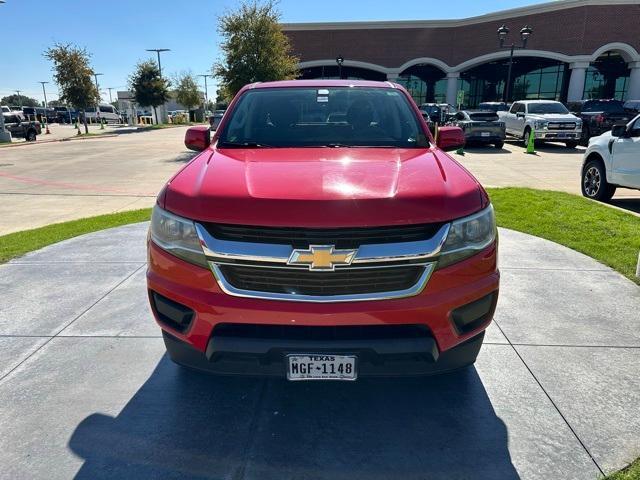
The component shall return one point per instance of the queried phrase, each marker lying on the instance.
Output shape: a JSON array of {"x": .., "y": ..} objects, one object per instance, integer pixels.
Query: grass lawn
[
  {"x": 610, "y": 236},
  {"x": 16, "y": 244},
  {"x": 632, "y": 472}
]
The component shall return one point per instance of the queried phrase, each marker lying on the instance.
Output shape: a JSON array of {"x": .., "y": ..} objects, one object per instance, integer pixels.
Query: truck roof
[{"x": 322, "y": 83}]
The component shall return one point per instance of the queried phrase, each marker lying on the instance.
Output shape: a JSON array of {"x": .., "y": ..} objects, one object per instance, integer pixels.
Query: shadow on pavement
[
  {"x": 487, "y": 150},
  {"x": 632, "y": 204},
  {"x": 183, "y": 424},
  {"x": 183, "y": 157}
]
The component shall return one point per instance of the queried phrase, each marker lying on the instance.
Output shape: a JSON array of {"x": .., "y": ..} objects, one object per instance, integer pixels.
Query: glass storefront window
[{"x": 607, "y": 77}]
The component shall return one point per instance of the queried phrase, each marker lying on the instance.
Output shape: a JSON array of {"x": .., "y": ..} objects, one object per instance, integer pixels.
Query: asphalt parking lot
[
  {"x": 55, "y": 182},
  {"x": 87, "y": 392}
]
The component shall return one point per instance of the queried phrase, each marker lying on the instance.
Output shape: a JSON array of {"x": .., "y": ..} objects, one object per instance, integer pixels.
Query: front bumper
[
  {"x": 195, "y": 344},
  {"x": 558, "y": 136}
]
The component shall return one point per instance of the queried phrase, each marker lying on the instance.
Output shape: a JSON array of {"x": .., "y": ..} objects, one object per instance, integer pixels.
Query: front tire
[
  {"x": 594, "y": 183},
  {"x": 499, "y": 145},
  {"x": 31, "y": 136},
  {"x": 571, "y": 144}
]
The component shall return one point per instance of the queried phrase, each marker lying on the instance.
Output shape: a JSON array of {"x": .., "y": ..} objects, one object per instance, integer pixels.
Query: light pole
[
  {"x": 206, "y": 93},
  {"x": 110, "y": 97},
  {"x": 158, "y": 52},
  {"x": 340, "y": 61},
  {"x": 503, "y": 32},
  {"x": 95, "y": 76},
  {"x": 46, "y": 121},
  {"x": 4, "y": 135},
  {"x": 20, "y": 98}
]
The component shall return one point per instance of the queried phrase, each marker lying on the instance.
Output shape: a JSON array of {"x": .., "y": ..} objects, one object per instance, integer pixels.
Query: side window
[
  {"x": 514, "y": 108},
  {"x": 106, "y": 109}
]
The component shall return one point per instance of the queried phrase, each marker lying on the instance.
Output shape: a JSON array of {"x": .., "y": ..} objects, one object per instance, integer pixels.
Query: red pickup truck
[{"x": 322, "y": 234}]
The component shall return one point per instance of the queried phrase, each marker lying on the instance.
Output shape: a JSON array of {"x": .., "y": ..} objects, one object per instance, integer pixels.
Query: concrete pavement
[
  {"x": 55, "y": 182},
  {"x": 86, "y": 390},
  {"x": 553, "y": 167}
]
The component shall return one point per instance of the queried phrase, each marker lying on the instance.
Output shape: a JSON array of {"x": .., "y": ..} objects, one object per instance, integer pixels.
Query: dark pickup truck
[
  {"x": 19, "y": 126},
  {"x": 598, "y": 116}
]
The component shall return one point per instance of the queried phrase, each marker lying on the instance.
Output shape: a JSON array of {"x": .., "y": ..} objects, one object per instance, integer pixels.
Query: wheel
[
  {"x": 584, "y": 138},
  {"x": 31, "y": 136},
  {"x": 571, "y": 144},
  {"x": 594, "y": 182},
  {"x": 499, "y": 145},
  {"x": 525, "y": 136}
]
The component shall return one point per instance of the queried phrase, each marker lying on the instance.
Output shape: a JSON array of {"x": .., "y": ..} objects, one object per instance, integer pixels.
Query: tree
[
  {"x": 74, "y": 76},
  {"x": 19, "y": 100},
  {"x": 148, "y": 87},
  {"x": 187, "y": 93},
  {"x": 254, "y": 47},
  {"x": 56, "y": 103}
]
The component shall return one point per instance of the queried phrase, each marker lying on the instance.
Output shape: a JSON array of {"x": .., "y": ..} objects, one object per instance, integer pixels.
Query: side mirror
[
  {"x": 450, "y": 138},
  {"x": 197, "y": 138},
  {"x": 619, "y": 131}
]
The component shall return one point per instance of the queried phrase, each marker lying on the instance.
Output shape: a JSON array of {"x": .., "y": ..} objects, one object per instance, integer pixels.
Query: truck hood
[
  {"x": 323, "y": 187},
  {"x": 562, "y": 117}
]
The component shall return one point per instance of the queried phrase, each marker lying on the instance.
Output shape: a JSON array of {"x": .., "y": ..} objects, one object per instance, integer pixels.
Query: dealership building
[{"x": 578, "y": 49}]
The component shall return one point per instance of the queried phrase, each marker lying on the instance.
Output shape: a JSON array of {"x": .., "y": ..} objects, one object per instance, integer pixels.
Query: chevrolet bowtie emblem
[{"x": 321, "y": 257}]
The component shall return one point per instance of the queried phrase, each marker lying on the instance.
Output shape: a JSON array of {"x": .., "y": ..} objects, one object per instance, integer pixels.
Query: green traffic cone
[
  {"x": 460, "y": 151},
  {"x": 531, "y": 145}
]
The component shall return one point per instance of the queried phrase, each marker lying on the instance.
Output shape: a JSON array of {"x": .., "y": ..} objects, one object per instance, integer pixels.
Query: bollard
[{"x": 531, "y": 145}]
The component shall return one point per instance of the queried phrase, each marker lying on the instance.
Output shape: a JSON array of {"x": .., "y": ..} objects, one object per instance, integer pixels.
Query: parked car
[
  {"x": 216, "y": 118},
  {"x": 434, "y": 111},
  {"x": 611, "y": 161},
  {"x": 481, "y": 127},
  {"x": 493, "y": 106},
  {"x": 323, "y": 250},
  {"x": 5, "y": 109},
  {"x": 20, "y": 127},
  {"x": 107, "y": 114},
  {"x": 550, "y": 120},
  {"x": 632, "y": 106},
  {"x": 598, "y": 116},
  {"x": 65, "y": 114}
]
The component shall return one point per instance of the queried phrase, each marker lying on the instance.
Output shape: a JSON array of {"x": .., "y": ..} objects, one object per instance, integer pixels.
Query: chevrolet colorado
[{"x": 322, "y": 235}]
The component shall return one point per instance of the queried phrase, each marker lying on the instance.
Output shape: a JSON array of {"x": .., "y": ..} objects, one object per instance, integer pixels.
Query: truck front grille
[
  {"x": 340, "y": 237},
  {"x": 562, "y": 126},
  {"x": 305, "y": 282}
]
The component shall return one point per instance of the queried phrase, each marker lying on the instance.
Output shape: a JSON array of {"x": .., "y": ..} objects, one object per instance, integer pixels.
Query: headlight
[
  {"x": 177, "y": 236},
  {"x": 541, "y": 124},
  {"x": 467, "y": 236}
]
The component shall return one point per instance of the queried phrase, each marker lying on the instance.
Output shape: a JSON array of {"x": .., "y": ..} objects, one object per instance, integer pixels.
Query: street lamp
[
  {"x": 206, "y": 92},
  {"x": 46, "y": 121},
  {"x": 18, "y": 92},
  {"x": 340, "y": 61},
  {"x": 503, "y": 33},
  {"x": 95, "y": 76},
  {"x": 158, "y": 51}
]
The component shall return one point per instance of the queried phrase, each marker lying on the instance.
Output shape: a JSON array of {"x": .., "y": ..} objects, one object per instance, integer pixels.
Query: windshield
[
  {"x": 608, "y": 107},
  {"x": 323, "y": 117},
  {"x": 551, "y": 107}
]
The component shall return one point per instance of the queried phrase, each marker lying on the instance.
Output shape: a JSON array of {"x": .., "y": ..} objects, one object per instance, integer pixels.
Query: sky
[{"x": 117, "y": 32}]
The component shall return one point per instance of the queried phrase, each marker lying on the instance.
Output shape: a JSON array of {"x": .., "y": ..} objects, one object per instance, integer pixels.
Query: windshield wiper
[{"x": 247, "y": 144}]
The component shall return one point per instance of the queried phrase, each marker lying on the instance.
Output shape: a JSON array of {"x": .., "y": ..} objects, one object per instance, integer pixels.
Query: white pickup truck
[
  {"x": 612, "y": 160},
  {"x": 549, "y": 120}
]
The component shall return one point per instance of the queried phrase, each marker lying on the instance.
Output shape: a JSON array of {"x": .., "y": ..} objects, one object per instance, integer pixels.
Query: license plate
[
  {"x": 485, "y": 134},
  {"x": 321, "y": 367},
  {"x": 563, "y": 135}
]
